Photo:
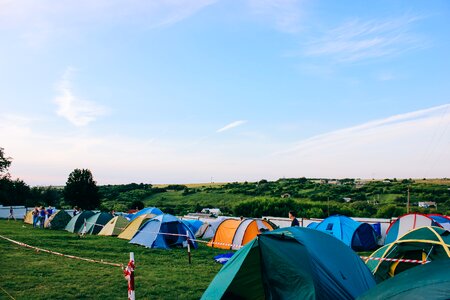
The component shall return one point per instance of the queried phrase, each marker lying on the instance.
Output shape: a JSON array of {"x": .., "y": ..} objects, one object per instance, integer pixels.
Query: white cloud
[
  {"x": 358, "y": 40},
  {"x": 284, "y": 14},
  {"x": 231, "y": 125},
  {"x": 77, "y": 111}
]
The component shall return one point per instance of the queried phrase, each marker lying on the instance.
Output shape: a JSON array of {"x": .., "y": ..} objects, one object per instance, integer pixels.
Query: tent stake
[{"x": 188, "y": 247}]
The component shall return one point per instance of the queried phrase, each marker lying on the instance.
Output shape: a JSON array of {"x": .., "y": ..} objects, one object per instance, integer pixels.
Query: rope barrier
[
  {"x": 414, "y": 261},
  {"x": 61, "y": 254},
  {"x": 7, "y": 293}
]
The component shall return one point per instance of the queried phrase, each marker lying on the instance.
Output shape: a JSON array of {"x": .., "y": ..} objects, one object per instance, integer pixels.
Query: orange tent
[{"x": 233, "y": 234}]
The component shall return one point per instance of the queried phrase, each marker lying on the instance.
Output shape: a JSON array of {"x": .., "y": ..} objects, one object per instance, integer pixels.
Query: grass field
[{"x": 160, "y": 274}]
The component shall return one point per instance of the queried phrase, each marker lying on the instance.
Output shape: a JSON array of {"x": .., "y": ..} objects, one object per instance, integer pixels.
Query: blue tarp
[
  {"x": 163, "y": 231},
  {"x": 359, "y": 236}
]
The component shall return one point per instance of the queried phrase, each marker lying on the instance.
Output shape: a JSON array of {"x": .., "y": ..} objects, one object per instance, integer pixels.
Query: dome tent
[
  {"x": 358, "y": 236},
  {"x": 95, "y": 223},
  {"x": 407, "y": 223},
  {"x": 232, "y": 233},
  {"x": 430, "y": 281},
  {"x": 114, "y": 227},
  {"x": 58, "y": 220},
  {"x": 133, "y": 227},
  {"x": 77, "y": 221},
  {"x": 148, "y": 210},
  {"x": 292, "y": 263},
  {"x": 425, "y": 243},
  {"x": 163, "y": 231}
]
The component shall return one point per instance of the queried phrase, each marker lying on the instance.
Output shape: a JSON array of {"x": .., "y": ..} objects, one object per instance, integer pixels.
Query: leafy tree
[
  {"x": 5, "y": 162},
  {"x": 81, "y": 190}
]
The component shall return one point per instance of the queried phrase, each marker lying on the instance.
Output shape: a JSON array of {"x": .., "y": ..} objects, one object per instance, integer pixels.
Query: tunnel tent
[
  {"x": 58, "y": 220},
  {"x": 164, "y": 232},
  {"x": 77, "y": 221},
  {"x": 114, "y": 227},
  {"x": 233, "y": 234},
  {"x": 292, "y": 263}
]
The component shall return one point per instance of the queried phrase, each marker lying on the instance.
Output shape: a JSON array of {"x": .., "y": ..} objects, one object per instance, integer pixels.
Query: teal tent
[
  {"x": 77, "y": 221},
  {"x": 95, "y": 223},
  {"x": 292, "y": 263},
  {"x": 430, "y": 281}
]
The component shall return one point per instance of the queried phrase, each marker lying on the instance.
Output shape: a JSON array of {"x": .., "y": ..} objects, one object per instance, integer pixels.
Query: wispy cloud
[
  {"x": 231, "y": 126},
  {"x": 40, "y": 20},
  {"x": 358, "y": 40},
  {"x": 284, "y": 14},
  {"x": 77, "y": 111},
  {"x": 378, "y": 130}
]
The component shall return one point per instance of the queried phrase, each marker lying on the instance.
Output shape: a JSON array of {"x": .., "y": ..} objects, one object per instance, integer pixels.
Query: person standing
[
  {"x": 42, "y": 217},
  {"x": 35, "y": 214},
  {"x": 293, "y": 218},
  {"x": 11, "y": 214}
]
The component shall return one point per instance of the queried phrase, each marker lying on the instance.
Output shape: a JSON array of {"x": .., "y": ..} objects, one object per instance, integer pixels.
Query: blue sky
[{"x": 189, "y": 91}]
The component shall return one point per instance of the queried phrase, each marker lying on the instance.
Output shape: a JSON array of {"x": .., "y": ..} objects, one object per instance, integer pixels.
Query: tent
[
  {"x": 232, "y": 233},
  {"x": 133, "y": 226},
  {"x": 148, "y": 210},
  {"x": 58, "y": 220},
  {"x": 115, "y": 226},
  {"x": 313, "y": 225},
  {"x": 407, "y": 223},
  {"x": 292, "y": 263},
  {"x": 95, "y": 223},
  {"x": 194, "y": 225},
  {"x": 358, "y": 236},
  {"x": 425, "y": 243},
  {"x": 209, "y": 227},
  {"x": 430, "y": 281},
  {"x": 77, "y": 221},
  {"x": 163, "y": 231},
  {"x": 444, "y": 221},
  {"x": 29, "y": 217}
]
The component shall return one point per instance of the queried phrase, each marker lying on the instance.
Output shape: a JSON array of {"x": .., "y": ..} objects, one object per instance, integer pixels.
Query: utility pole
[{"x": 407, "y": 203}]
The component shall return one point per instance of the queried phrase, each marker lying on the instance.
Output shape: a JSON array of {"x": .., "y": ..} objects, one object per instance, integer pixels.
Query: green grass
[{"x": 160, "y": 274}]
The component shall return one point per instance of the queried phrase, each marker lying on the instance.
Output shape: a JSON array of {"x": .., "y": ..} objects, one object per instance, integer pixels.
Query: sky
[{"x": 185, "y": 91}]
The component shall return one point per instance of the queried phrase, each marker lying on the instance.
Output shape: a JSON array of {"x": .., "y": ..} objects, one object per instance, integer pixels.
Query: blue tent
[
  {"x": 292, "y": 263},
  {"x": 358, "y": 236},
  {"x": 147, "y": 210},
  {"x": 163, "y": 231},
  {"x": 194, "y": 225}
]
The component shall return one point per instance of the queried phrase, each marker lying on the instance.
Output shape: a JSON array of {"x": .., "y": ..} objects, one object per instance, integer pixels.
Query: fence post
[
  {"x": 129, "y": 275},
  {"x": 188, "y": 247}
]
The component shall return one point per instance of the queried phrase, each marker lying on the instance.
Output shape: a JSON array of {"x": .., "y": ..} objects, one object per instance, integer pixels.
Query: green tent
[
  {"x": 292, "y": 263},
  {"x": 424, "y": 244},
  {"x": 76, "y": 223},
  {"x": 58, "y": 220},
  {"x": 95, "y": 223},
  {"x": 430, "y": 281}
]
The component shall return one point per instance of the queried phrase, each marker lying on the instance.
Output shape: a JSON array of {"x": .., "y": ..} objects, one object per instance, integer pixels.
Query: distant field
[
  {"x": 195, "y": 185},
  {"x": 160, "y": 274}
]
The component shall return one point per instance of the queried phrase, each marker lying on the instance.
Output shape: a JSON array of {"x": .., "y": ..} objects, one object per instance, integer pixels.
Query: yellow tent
[
  {"x": 29, "y": 217},
  {"x": 232, "y": 234},
  {"x": 133, "y": 226},
  {"x": 115, "y": 226}
]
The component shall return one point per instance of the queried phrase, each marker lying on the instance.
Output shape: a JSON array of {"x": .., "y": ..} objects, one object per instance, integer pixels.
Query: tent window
[{"x": 330, "y": 226}]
